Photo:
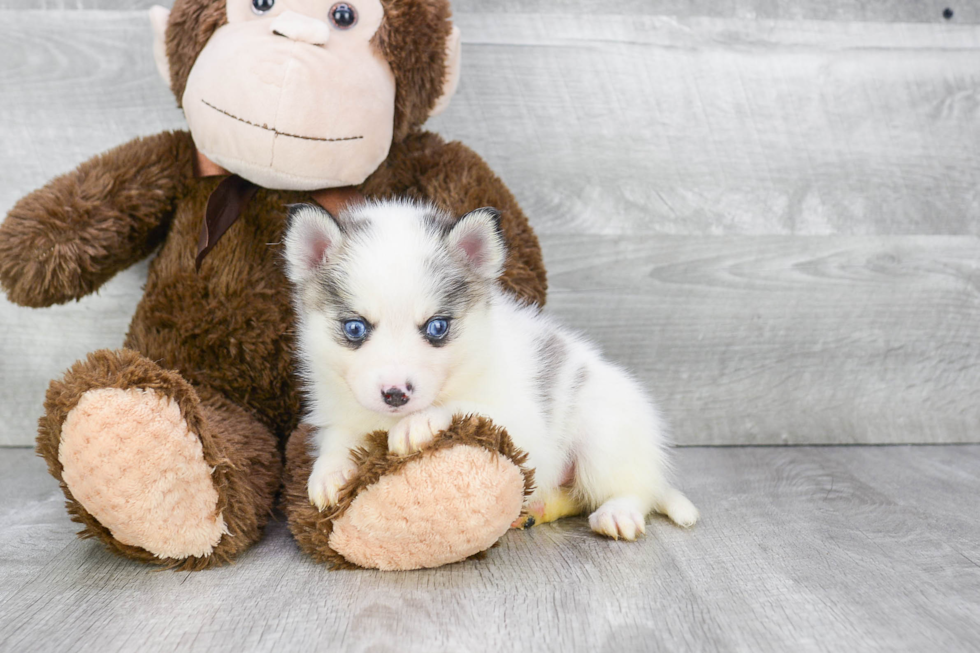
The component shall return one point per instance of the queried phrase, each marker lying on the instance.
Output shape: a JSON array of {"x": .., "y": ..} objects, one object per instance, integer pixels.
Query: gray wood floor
[{"x": 800, "y": 549}]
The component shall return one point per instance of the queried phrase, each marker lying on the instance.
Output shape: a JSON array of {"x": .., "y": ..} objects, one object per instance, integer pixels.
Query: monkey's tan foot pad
[
  {"x": 130, "y": 459},
  {"x": 552, "y": 506},
  {"x": 444, "y": 507}
]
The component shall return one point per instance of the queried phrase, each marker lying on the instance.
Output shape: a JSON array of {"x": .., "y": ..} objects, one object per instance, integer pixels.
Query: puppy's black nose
[{"x": 395, "y": 397}]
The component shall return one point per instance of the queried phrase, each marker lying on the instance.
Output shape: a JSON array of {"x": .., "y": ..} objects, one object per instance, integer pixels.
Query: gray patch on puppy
[
  {"x": 552, "y": 352},
  {"x": 581, "y": 376}
]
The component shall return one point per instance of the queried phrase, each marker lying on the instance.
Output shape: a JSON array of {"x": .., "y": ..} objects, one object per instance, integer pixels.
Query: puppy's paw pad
[
  {"x": 328, "y": 477},
  {"x": 417, "y": 430},
  {"x": 617, "y": 521}
]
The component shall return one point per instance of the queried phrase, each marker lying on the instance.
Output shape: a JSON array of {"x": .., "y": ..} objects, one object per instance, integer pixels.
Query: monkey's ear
[
  {"x": 159, "y": 16},
  {"x": 454, "y": 61}
]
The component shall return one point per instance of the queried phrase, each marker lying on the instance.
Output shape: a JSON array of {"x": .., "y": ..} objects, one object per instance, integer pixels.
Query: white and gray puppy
[{"x": 402, "y": 325}]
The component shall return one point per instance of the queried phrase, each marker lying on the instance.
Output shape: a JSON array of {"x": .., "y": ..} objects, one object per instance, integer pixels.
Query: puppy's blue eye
[
  {"x": 437, "y": 328},
  {"x": 355, "y": 330}
]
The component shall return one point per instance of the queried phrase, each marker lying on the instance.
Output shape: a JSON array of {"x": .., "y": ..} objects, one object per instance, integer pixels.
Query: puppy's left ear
[
  {"x": 477, "y": 238},
  {"x": 313, "y": 238}
]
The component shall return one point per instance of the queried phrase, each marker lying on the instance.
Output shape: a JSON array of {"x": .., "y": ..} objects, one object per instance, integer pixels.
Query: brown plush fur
[
  {"x": 220, "y": 341},
  {"x": 312, "y": 528},
  {"x": 66, "y": 241}
]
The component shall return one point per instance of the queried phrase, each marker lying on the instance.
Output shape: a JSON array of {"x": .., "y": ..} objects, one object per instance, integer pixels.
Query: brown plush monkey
[{"x": 170, "y": 450}]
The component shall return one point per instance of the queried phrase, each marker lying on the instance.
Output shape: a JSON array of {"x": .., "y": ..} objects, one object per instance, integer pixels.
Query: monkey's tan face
[{"x": 295, "y": 97}]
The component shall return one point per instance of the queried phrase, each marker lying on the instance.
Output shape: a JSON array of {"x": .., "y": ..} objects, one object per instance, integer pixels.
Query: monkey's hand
[{"x": 64, "y": 240}]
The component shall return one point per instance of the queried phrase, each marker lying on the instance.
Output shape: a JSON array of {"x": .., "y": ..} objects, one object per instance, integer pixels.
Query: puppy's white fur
[{"x": 396, "y": 265}]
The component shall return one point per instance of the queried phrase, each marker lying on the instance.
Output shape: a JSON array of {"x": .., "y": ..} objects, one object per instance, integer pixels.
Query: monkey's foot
[
  {"x": 553, "y": 505},
  {"x": 131, "y": 460},
  {"x": 452, "y": 500}
]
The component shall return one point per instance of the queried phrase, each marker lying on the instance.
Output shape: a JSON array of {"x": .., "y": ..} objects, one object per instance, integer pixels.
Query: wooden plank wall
[
  {"x": 769, "y": 210},
  {"x": 888, "y": 11}
]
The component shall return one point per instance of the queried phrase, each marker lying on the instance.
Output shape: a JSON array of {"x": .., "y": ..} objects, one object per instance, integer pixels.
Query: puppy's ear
[
  {"x": 312, "y": 239},
  {"x": 477, "y": 238}
]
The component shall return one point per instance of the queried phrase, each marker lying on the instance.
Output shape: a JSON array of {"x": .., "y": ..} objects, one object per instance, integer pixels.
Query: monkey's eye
[
  {"x": 343, "y": 15},
  {"x": 262, "y": 6}
]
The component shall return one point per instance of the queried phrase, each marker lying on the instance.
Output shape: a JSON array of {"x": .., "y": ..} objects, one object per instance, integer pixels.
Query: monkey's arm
[
  {"x": 455, "y": 178},
  {"x": 64, "y": 240}
]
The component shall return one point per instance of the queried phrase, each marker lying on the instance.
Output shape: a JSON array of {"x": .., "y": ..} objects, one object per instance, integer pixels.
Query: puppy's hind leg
[
  {"x": 623, "y": 517},
  {"x": 621, "y": 462}
]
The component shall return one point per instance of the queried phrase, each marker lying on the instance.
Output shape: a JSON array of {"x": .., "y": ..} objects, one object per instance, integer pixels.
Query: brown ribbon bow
[{"x": 230, "y": 198}]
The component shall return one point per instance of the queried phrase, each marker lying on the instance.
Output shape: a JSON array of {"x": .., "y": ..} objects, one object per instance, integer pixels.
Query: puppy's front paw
[
  {"x": 330, "y": 473},
  {"x": 417, "y": 430},
  {"x": 618, "y": 518}
]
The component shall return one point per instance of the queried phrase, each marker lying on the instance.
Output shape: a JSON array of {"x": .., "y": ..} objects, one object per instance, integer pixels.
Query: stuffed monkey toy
[{"x": 170, "y": 450}]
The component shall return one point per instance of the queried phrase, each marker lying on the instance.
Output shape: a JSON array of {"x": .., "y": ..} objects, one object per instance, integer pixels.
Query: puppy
[{"x": 402, "y": 325}]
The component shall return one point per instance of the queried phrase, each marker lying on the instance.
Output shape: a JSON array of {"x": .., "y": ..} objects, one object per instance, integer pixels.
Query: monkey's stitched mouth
[{"x": 276, "y": 131}]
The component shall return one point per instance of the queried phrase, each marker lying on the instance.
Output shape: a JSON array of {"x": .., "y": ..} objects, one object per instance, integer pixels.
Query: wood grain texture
[
  {"x": 800, "y": 549},
  {"x": 887, "y": 11},
  {"x": 75, "y": 84},
  {"x": 743, "y": 340},
  {"x": 616, "y": 124},
  {"x": 700, "y": 126},
  {"x": 37, "y": 346},
  {"x": 786, "y": 340},
  {"x": 879, "y": 11}
]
